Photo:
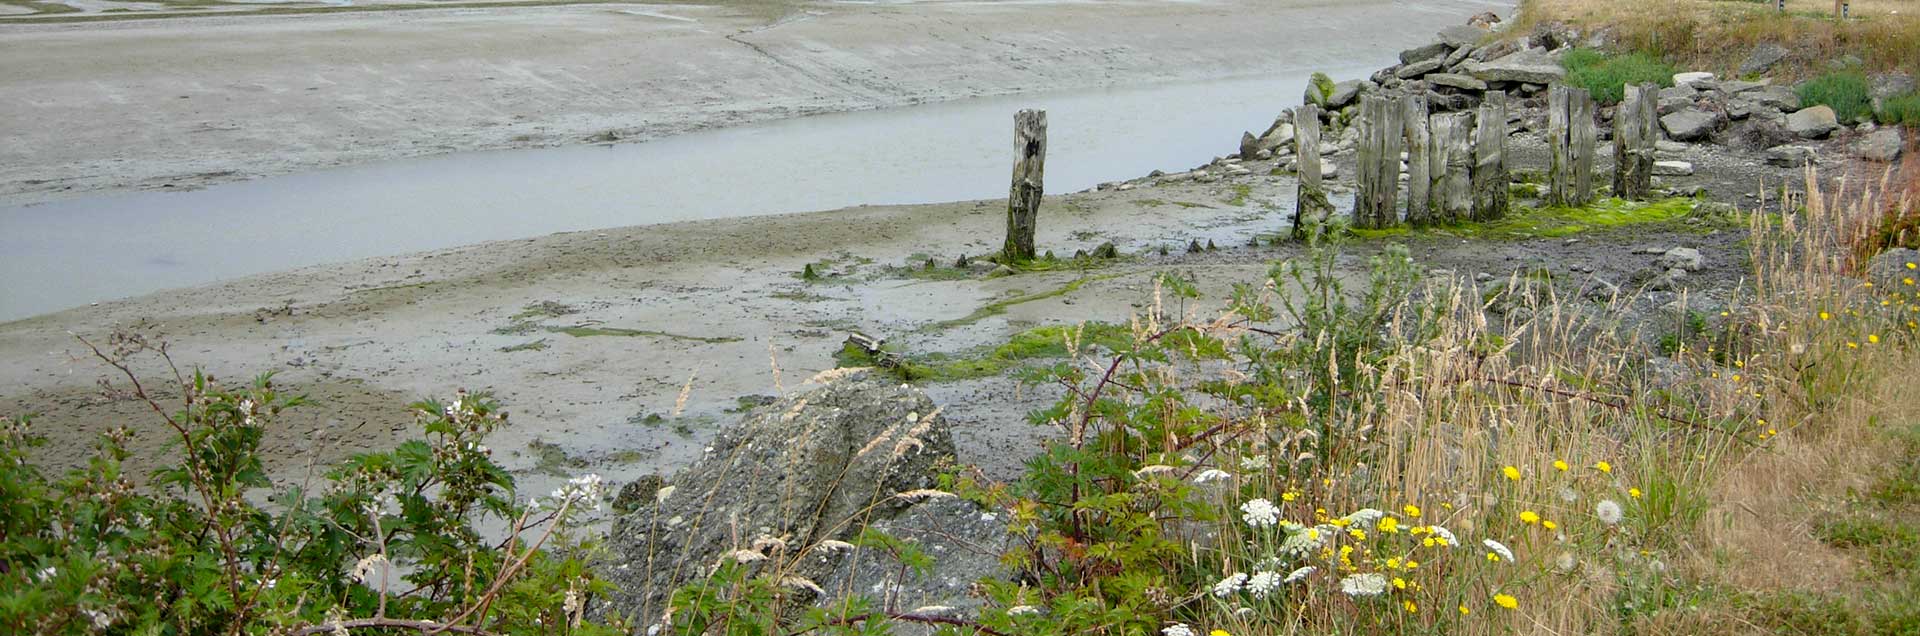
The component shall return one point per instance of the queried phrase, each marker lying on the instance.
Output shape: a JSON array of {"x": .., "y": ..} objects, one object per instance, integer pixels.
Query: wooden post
[
  {"x": 1490, "y": 159},
  {"x": 1378, "y": 177},
  {"x": 1419, "y": 144},
  {"x": 1023, "y": 200},
  {"x": 1311, "y": 209},
  {"x": 1570, "y": 139},
  {"x": 1452, "y": 164},
  {"x": 1635, "y": 131}
]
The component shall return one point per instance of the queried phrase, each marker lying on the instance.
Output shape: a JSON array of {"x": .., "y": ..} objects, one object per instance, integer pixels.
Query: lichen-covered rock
[
  {"x": 812, "y": 467},
  {"x": 1813, "y": 123},
  {"x": 965, "y": 542},
  {"x": 1882, "y": 145},
  {"x": 1763, "y": 57},
  {"x": 1690, "y": 124},
  {"x": 1531, "y": 66}
]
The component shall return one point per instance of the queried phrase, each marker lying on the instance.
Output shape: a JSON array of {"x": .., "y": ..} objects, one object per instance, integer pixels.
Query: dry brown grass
[{"x": 1716, "y": 35}]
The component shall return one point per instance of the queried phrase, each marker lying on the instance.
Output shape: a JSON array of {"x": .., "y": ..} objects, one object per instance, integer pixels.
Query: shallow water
[{"x": 69, "y": 253}]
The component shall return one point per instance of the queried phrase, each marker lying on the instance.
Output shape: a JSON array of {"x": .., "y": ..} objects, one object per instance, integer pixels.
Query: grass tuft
[
  {"x": 1606, "y": 76},
  {"x": 1843, "y": 91}
]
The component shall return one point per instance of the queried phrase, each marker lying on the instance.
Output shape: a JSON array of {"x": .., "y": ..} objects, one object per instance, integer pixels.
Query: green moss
[
  {"x": 1241, "y": 193},
  {"x": 1382, "y": 233},
  {"x": 1000, "y": 307}
]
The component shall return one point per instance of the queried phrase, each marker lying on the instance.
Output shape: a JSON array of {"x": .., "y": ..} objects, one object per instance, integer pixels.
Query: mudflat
[{"x": 183, "y": 102}]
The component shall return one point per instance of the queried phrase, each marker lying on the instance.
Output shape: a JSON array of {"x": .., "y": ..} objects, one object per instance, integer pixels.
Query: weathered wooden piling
[
  {"x": 1419, "y": 143},
  {"x": 1029, "y": 171},
  {"x": 1311, "y": 208},
  {"x": 1636, "y": 128},
  {"x": 1378, "y": 177},
  {"x": 1570, "y": 138},
  {"x": 1490, "y": 196},
  {"x": 1450, "y": 164}
]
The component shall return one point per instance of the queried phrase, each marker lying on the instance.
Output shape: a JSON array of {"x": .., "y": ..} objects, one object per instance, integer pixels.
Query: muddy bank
[{"x": 182, "y": 103}]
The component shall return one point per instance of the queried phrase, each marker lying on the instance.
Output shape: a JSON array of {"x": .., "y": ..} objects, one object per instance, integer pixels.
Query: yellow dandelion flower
[
  {"x": 1413, "y": 511},
  {"x": 1389, "y": 525},
  {"x": 1736, "y": 377},
  {"x": 1428, "y": 542},
  {"x": 1494, "y": 558},
  {"x": 1358, "y": 534},
  {"x": 1910, "y": 266},
  {"x": 1412, "y": 564},
  {"x": 1852, "y": 345},
  {"x": 1826, "y": 316},
  {"x": 1603, "y": 467},
  {"x": 1529, "y": 517},
  {"x": 1633, "y": 492},
  {"x": 1393, "y": 563},
  {"x": 1464, "y": 611},
  {"x": 1873, "y": 339},
  {"x": 1512, "y": 473},
  {"x": 1506, "y": 601},
  {"x": 1440, "y": 540},
  {"x": 1219, "y": 632},
  {"x": 1560, "y": 465},
  {"x": 1908, "y": 280},
  {"x": 1399, "y": 583},
  {"x": 1449, "y": 506},
  {"x": 1289, "y": 496},
  {"x": 1549, "y": 524},
  {"x": 1411, "y": 608}
]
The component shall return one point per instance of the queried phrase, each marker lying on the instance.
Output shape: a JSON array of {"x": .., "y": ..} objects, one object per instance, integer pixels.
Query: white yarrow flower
[
  {"x": 1259, "y": 513},
  {"x": 1297, "y": 575},
  {"x": 1608, "y": 511},
  {"x": 1211, "y": 474},
  {"x": 1022, "y": 610},
  {"x": 1228, "y": 586},
  {"x": 1498, "y": 548},
  {"x": 1369, "y": 584},
  {"x": 1178, "y": 629},
  {"x": 1263, "y": 583}
]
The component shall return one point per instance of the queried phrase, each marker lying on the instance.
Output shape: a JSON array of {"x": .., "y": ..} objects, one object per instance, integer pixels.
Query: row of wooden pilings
[{"x": 1456, "y": 165}]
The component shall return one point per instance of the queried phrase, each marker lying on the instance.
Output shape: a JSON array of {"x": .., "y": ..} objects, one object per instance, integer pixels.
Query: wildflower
[
  {"x": 1910, "y": 266},
  {"x": 1363, "y": 517},
  {"x": 1263, "y": 583},
  {"x": 1289, "y": 496},
  {"x": 1297, "y": 575},
  {"x": 1259, "y": 513},
  {"x": 1304, "y": 542},
  {"x": 1560, "y": 465},
  {"x": 1389, "y": 525},
  {"x": 367, "y": 567},
  {"x": 46, "y": 574},
  {"x": 1608, "y": 511},
  {"x": 1513, "y": 474},
  {"x": 1219, "y": 632},
  {"x": 1358, "y": 534},
  {"x": 1444, "y": 535},
  {"x": 1369, "y": 584},
  {"x": 1635, "y": 492},
  {"x": 1399, "y": 583},
  {"x": 1498, "y": 549},
  {"x": 1178, "y": 629},
  {"x": 1826, "y": 316},
  {"x": 1210, "y": 474},
  {"x": 1873, "y": 339},
  {"x": 1506, "y": 601},
  {"x": 1253, "y": 463},
  {"x": 1529, "y": 517},
  {"x": 1412, "y": 511},
  {"x": 1022, "y": 610},
  {"x": 1603, "y": 467},
  {"x": 1464, "y": 611},
  {"x": 1228, "y": 586},
  {"x": 1548, "y": 524}
]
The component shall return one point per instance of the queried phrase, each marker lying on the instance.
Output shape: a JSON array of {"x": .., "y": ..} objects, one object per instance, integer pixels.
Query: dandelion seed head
[{"x": 1608, "y": 511}]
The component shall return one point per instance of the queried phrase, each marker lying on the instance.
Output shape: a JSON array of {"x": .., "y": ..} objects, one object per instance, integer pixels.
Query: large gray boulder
[
  {"x": 1691, "y": 124},
  {"x": 1788, "y": 156},
  {"x": 1777, "y": 97},
  {"x": 1462, "y": 36},
  {"x": 813, "y": 467},
  {"x": 1883, "y": 145},
  {"x": 1884, "y": 86},
  {"x": 1532, "y": 66},
  {"x": 965, "y": 543},
  {"x": 1763, "y": 58},
  {"x": 1813, "y": 123},
  {"x": 1436, "y": 49},
  {"x": 1347, "y": 92}
]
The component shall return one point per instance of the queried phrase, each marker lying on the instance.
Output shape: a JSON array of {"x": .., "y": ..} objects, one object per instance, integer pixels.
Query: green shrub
[
  {"x": 1903, "y": 110},
  {"x": 1606, "y": 76},
  {"x": 1843, "y": 91},
  {"x": 386, "y": 543}
]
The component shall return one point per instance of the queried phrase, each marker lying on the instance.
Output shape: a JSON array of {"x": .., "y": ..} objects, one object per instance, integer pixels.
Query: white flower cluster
[
  {"x": 1498, "y": 548},
  {"x": 1230, "y": 585},
  {"x": 365, "y": 570},
  {"x": 1298, "y": 575},
  {"x": 1444, "y": 533},
  {"x": 1369, "y": 584},
  {"x": 1263, "y": 583},
  {"x": 1364, "y": 517},
  {"x": 1211, "y": 474},
  {"x": 1178, "y": 629},
  {"x": 1303, "y": 542},
  {"x": 585, "y": 489},
  {"x": 1259, "y": 513}
]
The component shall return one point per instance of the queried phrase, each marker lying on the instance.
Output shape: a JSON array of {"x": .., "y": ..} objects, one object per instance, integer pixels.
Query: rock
[
  {"x": 1695, "y": 77},
  {"x": 1249, "y": 145},
  {"x": 1346, "y": 92},
  {"x": 1736, "y": 87},
  {"x": 965, "y": 542},
  {"x": 1456, "y": 57},
  {"x": 1892, "y": 269},
  {"x": 785, "y": 477},
  {"x": 1672, "y": 169},
  {"x": 1777, "y": 97},
  {"x": 1461, "y": 36},
  {"x": 1883, "y": 145},
  {"x": 1691, "y": 124},
  {"x": 637, "y": 493},
  {"x": 1601, "y": 290},
  {"x": 1531, "y": 66},
  {"x": 1484, "y": 20},
  {"x": 1456, "y": 80},
  {"x": 1885, "y": 86},
  {"x": 1494, "y": 51},
  {"x": 1682, "y": 258},
  {"x": 1669, "y": 146},
  {"x": 1450, "y": 102},
  {"x": 1762, "y": 58},
  {"x": 1421, "y": 67},
  {"x": 1434, "y": 50},
  {"x": 1106, "y": 250},
  {"x": 1656, "y": 279},
  {"x": 1812, "y": 123},
  {"x": 1329, "y": 169}
]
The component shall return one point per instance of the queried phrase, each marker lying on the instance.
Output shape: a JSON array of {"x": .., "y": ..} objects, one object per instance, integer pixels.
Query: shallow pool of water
[{"x": 69, "y": 253}]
